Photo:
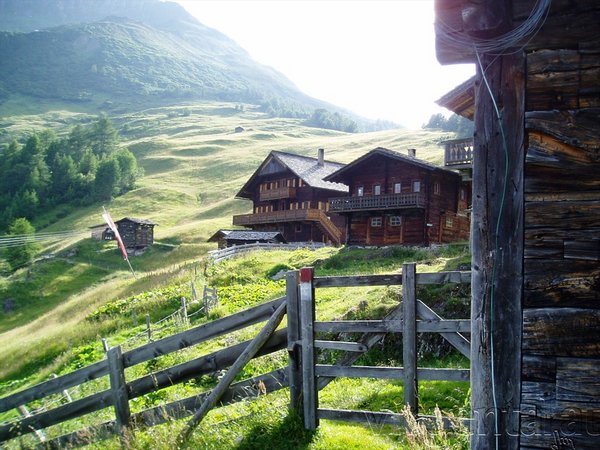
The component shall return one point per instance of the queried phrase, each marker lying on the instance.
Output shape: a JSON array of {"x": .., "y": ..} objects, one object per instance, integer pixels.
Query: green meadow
[{"x": 79, "y": 291}]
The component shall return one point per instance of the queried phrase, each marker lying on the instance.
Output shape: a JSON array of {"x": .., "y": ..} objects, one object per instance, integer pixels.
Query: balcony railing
[
  {"x": 292, "y": 215},
  {"x": 459, "y": 153},
  {"x": 377, "y": 202},
  {"x": 276, "y": 194}
]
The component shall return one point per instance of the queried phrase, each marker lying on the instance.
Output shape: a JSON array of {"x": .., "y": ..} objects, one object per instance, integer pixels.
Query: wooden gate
[{"x": 306, "y": 377}]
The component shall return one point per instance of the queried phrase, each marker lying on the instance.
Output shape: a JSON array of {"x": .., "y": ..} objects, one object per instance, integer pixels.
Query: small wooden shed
[
  {"x": 229, "y": 238},
  {"x": 136, "y": 233}
]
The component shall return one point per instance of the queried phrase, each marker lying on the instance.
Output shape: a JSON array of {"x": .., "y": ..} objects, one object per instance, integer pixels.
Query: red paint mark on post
[{"x": 306, "y": 274}]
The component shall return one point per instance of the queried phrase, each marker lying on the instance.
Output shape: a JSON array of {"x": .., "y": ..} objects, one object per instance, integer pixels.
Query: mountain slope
[{"x": 146, "y": 51}]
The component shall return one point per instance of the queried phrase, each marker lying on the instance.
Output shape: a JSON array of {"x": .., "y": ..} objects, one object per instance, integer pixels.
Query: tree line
[
  {"x": 86, "y": 166},
  {"x": 457, "y": 124}
]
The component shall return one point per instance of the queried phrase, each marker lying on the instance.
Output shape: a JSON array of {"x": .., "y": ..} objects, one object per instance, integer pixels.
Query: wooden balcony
[
  {"x": 276, "y": 194},
  {"x": 459, "y": 153},
  {"x": 377, "y": 202},
  {"x": 292, "y": 215}
]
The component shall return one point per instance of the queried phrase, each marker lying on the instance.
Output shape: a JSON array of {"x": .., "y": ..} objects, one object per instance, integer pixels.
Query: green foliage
[
  {"x": 240, "y": 296},
  {"x": 86, "y": 166},
  {"x": 462, "y": 126},
  {"x": 21, "y": 255},
  {"x": 324, "y": 119},
  {"x": 278, "y": 268}
]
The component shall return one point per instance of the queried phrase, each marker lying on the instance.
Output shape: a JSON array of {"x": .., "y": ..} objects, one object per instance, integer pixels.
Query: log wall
[{"x": 560, "y": 391}]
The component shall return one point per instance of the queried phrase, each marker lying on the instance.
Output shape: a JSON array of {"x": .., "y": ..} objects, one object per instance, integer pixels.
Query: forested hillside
[{"x": 84, "y": 167}]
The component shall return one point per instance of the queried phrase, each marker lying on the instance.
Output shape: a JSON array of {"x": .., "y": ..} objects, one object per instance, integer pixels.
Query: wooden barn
[
  {"x": 289, "y": 195},
  {"x": 136, "y": 233},
  {"x": 398, "y": 199},
  {"x": 229, "y": 238},
  {"x": 536, "y": 216}
]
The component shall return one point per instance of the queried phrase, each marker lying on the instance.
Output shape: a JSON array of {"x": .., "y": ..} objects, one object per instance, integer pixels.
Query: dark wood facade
[
  {"x": 289, "y": 195},
  {"x": 396, "y": 199},
  {"x": 136, "y": 233},
  {"x": 545, "y": 332}
]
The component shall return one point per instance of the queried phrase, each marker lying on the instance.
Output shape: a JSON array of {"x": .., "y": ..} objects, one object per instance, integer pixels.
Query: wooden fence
[
  {"x": 307, "y": 377},
  {"x": 237, "y": 250},
  {"x": 303, "y": 375}
]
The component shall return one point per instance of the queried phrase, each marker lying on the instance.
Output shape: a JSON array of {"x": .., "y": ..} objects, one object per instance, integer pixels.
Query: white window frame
[
  {"x": 376, "y": 221},
  {"x": 360, "y": 191},
  {"x": 395, "y": 221},
  {"x": 416, "y": 186},
  {"x": 397, "y": 188},
  {"x": 376, "y": 189}
]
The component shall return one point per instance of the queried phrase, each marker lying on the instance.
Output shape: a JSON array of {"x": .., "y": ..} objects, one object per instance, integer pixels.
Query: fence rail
[
  {"x": 237, "y": 250},
  {"x": 303, "y": 375}
]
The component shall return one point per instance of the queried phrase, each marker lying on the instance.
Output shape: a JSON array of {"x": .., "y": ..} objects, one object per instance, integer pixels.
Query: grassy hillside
[{"x": 194, "y": 165}]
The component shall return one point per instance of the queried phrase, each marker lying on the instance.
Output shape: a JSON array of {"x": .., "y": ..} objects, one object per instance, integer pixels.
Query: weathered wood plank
[
  {"x": 567, "y": 433},
  {"x": 339, "y": 345},
  {"x": 379, "y": 326},
  {"x": 497, "y": 250},
  {"x": 118, "y": 388},
  {"x": 307, "y": 318},
  {"x": 562, "y": 283},
  {"x": 210, "y": 363},
  {"x": 457, "y": 340},
  {"x": 201, "y": 333},
  {"x": 409, "y": 336},
  {"x": 540, "y": 400},
  {"x": 294, "y": 335},
  {"x": 568, "y": 332},
  {"x": 55, "y": 385},
  {"x": 539, "y": 368},
  {"x": 577, "y": 128},
  {"x": 358, "y": 280},
  {"x": 57, "y": 415},
  {"x": 578, "y": 380},
  {"x": 578, "y": 215},
  {"x": 463, "y": 277},
  {"x": 394, "y": 373}
]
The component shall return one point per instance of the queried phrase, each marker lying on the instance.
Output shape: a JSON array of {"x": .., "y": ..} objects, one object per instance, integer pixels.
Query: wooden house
[
  {"x": 136, "y": 233},
  {"x": 399, "y": 199},
  {"x": 289, "y": 195},
  {"x": 535, "y": 101},
  {"x": 229, "y": 238}
]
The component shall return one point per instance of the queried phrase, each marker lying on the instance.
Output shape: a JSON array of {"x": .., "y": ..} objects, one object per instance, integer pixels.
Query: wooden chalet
[
  {"x": 535, "y": 341},
  {"x": 398, "y": 199},
  {"x": 229, "y": 238},
  {"x": 289, "y": 195}
]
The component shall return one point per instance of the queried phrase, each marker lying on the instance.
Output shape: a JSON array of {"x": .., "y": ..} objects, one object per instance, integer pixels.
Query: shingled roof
[
  {"x": 306, "y": 168},
  {"x": 247, "y": 235},
  {"x": 339, "y": 174}
]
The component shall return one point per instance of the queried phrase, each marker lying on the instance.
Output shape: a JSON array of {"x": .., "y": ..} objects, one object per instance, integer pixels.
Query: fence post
[
  {"x": 293, "y": 329},
  {"x": 39, "y": 433},
  {"x": 148, "y": 328},
  {"x": 65, "y": 393},
  {"x": 118, "y": 387},
  {"x": 184, "y": 314},
  {"x": 307, "y": 317},
  {"x": 409, "y": 336}
]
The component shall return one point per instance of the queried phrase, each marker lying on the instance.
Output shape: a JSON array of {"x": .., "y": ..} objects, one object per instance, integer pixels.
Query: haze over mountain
[{"x": 127, "y": 53}]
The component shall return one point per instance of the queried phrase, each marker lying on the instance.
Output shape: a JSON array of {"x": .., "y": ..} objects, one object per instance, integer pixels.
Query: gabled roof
[
  {"x": 305, "y": 167},
  {"x": 247, "y": 235},
  {"x": 339, "y": 175},
  {"x": 461, "y": 99},
  {"x": 134, "y": 220}
]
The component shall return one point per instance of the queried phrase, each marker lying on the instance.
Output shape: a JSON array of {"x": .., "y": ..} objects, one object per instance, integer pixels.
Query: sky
[{"x": 375, "y": 58}]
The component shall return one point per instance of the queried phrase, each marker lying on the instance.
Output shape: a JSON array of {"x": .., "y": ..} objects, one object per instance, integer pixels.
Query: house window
[
  {"x": 298, "y": 228},
  {"x": 299, "y": 183},
  {"x": 360, "y": 191},
  {"x": 416, "y": 186},
  {"x": 377, "y": 189},
  {"x": 436, "y": 188},
  {"x": 375, "y": 221},
  {"x": 397, "y": 188},
  {"x": 449, "y": 222},
  {"x": 395, "y": 221},
  {"x": 463, "y": 194}
]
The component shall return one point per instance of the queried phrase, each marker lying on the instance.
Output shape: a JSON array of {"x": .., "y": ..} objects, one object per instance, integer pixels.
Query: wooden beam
[
  {"x": 497, "y": 252},
  {"x": 409, "y": 336},
  {"x": 309, "y": 379},
  {"x": 293, "y": 320}
]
